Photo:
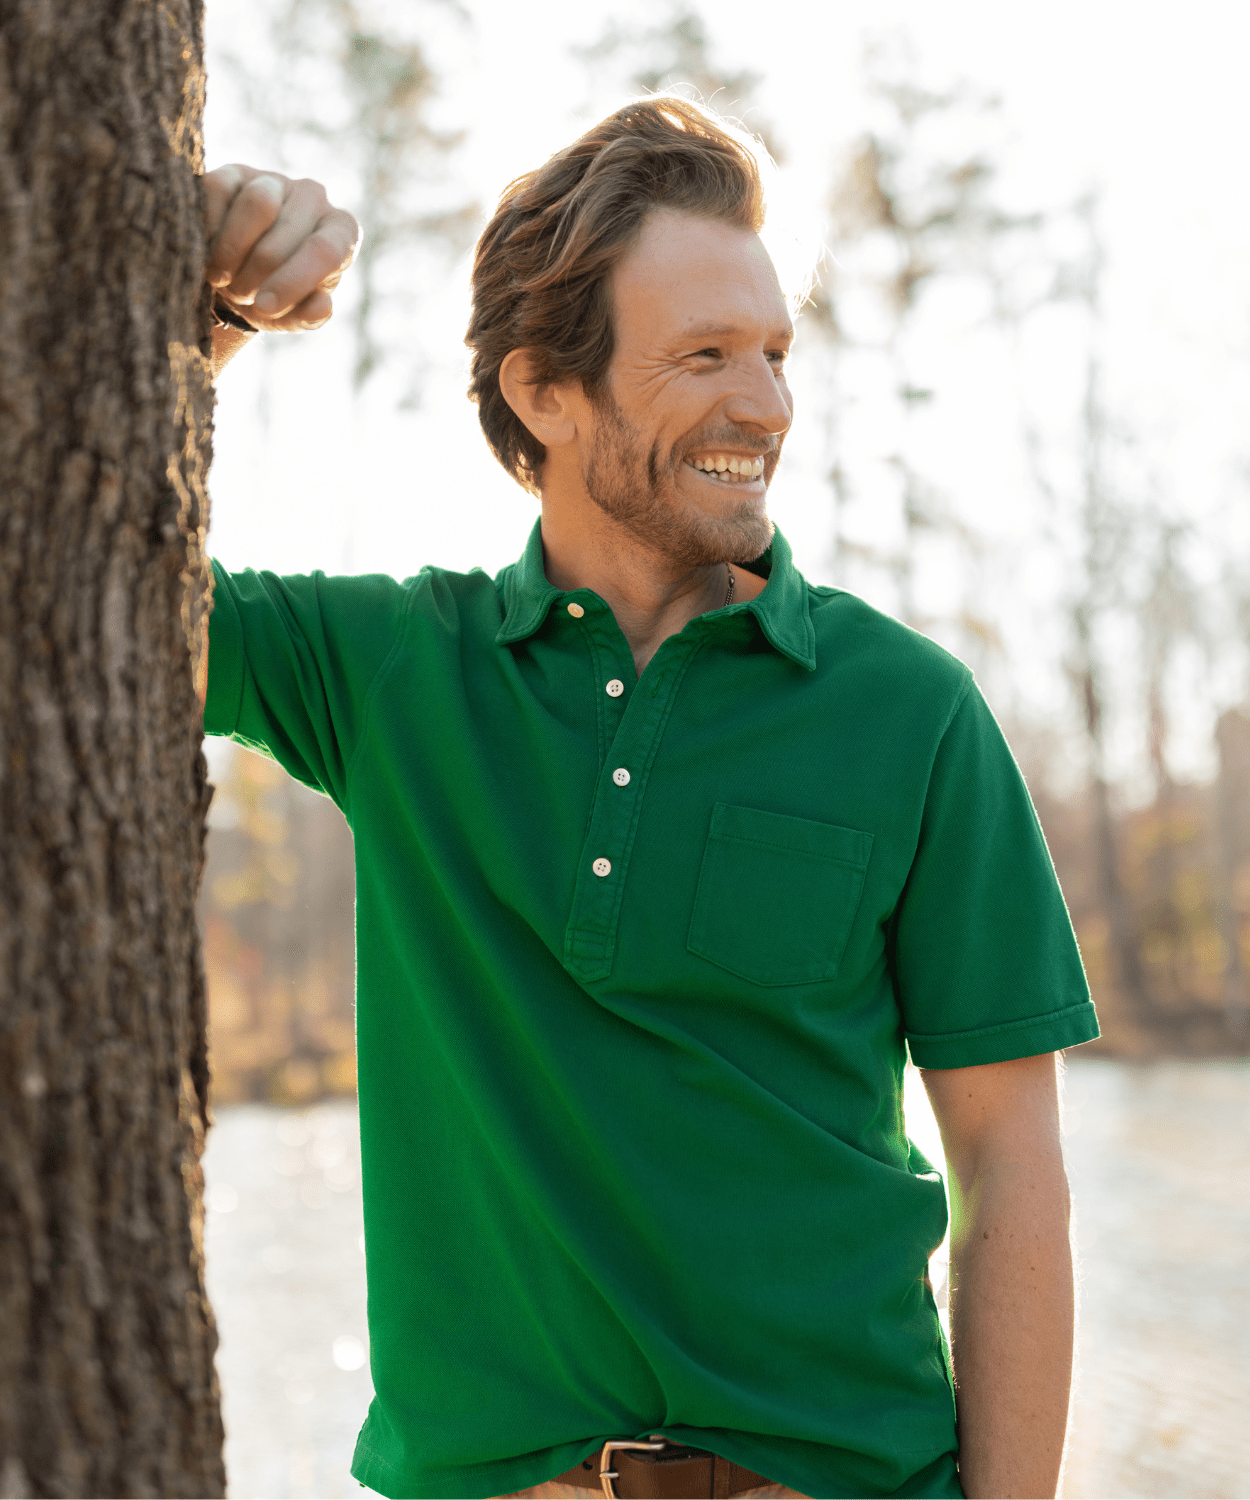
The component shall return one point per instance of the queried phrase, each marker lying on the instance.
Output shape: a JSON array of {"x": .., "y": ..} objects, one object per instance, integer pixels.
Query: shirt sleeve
[
  {"x": 290, "y": 664},
  {"x": 986, "y": 961}
]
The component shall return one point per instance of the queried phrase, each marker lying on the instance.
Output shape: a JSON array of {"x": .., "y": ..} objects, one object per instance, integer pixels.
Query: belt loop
[{"x": 722, "y": 1477}]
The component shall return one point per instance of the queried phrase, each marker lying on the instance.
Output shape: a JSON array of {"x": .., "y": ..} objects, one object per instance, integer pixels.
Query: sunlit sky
[{"x": 1147, "y": 102}]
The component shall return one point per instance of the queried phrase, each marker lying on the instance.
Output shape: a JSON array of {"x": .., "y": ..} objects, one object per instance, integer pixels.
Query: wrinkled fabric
[{"x": 639, "y": 960}]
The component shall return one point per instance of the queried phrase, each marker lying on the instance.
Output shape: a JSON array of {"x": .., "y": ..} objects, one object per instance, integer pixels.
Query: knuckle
[
  {"x": 225, "y": 255},
  {"x": 326, "y": 245},
  {"x": 266, "y": 258},
  {"x": 259, "y": 193},
  {"x": 310, "y": 188},
  {"x": 344, "y": 236}
]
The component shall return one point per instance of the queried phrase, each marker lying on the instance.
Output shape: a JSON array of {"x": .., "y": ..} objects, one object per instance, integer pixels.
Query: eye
[
  {"x": 707, "y": 354},
  {"x": 778, "y": 356}
]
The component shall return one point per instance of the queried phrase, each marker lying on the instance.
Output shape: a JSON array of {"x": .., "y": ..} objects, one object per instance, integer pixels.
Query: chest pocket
[{"x": 777, "y": 895}]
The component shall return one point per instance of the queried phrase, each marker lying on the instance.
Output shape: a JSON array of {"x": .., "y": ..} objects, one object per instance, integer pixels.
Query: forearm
[{"x": 1012, "y": 1326}]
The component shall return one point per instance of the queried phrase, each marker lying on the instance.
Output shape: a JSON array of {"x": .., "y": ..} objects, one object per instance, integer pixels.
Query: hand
[{"x": 276, "y": 248}]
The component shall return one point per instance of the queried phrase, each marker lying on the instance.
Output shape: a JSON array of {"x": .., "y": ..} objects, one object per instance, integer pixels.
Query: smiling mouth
[{"x": 729, "y": 470}]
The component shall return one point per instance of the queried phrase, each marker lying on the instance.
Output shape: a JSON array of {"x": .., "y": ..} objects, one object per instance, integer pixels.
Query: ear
[{"x": 546, "y": 409}]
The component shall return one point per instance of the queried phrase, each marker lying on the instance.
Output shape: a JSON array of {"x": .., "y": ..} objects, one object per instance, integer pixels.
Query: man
[{"x": 663, "y": 855}]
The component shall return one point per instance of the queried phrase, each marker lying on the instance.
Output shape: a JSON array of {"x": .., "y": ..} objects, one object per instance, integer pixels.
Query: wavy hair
[{"x": 542, "y": 267}]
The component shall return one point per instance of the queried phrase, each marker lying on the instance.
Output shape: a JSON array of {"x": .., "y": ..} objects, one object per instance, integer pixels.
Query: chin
[
  {"x": 738, "y": 537},
  {"x": 695, "y": 539},
  {"x": 748, "y": 538}
]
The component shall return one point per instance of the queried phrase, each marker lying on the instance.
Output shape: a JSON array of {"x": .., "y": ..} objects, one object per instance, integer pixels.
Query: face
[{"x": 684, "y": 441}]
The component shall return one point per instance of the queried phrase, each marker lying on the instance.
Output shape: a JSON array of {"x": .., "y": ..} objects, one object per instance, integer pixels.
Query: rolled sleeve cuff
[
  {"x": 225, "y": 660},
  {"x": 990, "y": 1044}
]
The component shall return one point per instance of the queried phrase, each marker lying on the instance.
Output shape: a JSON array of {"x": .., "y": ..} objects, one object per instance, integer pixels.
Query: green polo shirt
[{"x": 638, "y": 964}]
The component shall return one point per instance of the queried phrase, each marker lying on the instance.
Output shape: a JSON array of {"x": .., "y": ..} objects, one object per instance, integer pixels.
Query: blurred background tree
[
  {"x": 354, "y": 82},
  {"x": 912, "y": 211},
  {"x": 676, "y": 55},
  {"x": 278, "y": 908}
]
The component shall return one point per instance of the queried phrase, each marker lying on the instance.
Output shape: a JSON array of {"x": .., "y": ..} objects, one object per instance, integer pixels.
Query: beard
[{"x": 639, "y": 490}]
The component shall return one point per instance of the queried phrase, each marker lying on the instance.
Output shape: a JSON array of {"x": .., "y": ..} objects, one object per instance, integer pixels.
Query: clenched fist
[{"x": 276, "y": 248}]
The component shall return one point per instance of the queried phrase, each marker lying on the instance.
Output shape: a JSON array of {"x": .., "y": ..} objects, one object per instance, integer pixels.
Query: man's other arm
[{"x": 1012, "y": 1308}]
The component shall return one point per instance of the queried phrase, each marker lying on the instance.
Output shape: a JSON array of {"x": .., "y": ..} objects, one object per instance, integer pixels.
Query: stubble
[{"x": 637, "y": 487}]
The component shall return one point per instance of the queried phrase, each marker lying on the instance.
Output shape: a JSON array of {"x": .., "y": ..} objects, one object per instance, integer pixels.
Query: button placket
[
  {"x": 604, "y": 639},
  {"x": 590, "y": 937}
]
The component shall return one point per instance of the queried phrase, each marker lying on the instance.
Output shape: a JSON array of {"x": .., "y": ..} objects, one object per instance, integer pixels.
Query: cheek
[{"x": 662, "y": 403}]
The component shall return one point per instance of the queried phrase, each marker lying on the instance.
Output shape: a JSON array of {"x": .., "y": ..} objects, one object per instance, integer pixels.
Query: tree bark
[{"x": 107, "y": 1385}]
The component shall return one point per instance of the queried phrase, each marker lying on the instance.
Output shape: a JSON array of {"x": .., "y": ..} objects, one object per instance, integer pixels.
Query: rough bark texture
[{"x": 107, "y": 1384}]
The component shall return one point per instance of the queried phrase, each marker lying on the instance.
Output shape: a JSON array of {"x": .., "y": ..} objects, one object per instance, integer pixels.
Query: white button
[
  {"x": 621, "y": 776},
  {"x": 576, "y": 610},
  {"x": 615, "y": 688},
  {"x": 602, "y": 867}
]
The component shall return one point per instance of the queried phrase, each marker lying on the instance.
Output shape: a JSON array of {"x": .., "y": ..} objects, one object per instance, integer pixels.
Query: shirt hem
[
  {"x": 1030, "y": 1037},
  {"x": 935, "y": 1477}
]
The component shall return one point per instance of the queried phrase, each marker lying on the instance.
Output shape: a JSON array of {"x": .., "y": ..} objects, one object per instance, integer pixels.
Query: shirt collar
[{"x": 781, "y": 609}]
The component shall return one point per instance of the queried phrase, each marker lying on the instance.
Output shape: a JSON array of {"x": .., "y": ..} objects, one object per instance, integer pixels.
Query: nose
[{"x": 760, "y": 398}]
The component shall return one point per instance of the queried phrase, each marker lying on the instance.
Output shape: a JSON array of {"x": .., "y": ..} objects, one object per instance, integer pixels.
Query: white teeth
[{"x": 721, "y": 467}]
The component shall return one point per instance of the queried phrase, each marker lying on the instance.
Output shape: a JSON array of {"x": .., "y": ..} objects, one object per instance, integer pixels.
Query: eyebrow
[{"x": 724, "y": 330}]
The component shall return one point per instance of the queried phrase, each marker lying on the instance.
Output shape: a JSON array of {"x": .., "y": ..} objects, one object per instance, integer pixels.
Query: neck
[{"x": 651, "y": 596}]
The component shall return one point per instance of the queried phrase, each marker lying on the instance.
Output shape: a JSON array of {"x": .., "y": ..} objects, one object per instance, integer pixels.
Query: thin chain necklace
[{"x": 729, "y": 592}]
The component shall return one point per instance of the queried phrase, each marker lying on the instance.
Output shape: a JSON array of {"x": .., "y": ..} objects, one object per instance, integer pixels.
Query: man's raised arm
[
  {"x": 276, "y": 251},
  {"x": 277, "y": 248}
]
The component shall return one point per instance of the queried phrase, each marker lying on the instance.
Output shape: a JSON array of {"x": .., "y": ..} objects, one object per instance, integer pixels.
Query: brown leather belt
[{"x": 656, "y": 1469}]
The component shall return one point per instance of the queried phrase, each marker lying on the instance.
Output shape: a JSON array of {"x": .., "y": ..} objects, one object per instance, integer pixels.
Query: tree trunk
[
  {"x": 107, "y": 1385},
  {"x": 1112, "y": 899},
  {"x": 1232, "y": 738}
]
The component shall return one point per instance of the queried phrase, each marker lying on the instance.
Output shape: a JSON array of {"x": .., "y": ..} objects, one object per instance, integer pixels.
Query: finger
[
  {"x": 279, "y": 263},
  {"x": 303, "y": 208},
  {"x": 319, "y": 261},
  {"x": 253, "y": 211},
  {"x": 312, "y": 312},
  {"x": 220, "y": 186}
]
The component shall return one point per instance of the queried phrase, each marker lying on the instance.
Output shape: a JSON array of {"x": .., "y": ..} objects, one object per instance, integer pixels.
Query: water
[
  {"x": 1159, "y": 1159},
  {"x": 286, "y": 1275}
]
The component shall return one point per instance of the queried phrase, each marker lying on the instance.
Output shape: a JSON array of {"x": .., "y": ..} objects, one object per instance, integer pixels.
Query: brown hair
[{"x": 543, "y": 263}]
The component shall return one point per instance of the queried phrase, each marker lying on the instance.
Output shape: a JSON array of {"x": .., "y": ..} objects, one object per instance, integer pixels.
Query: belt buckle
[{"x": 606, "y": 1474}]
